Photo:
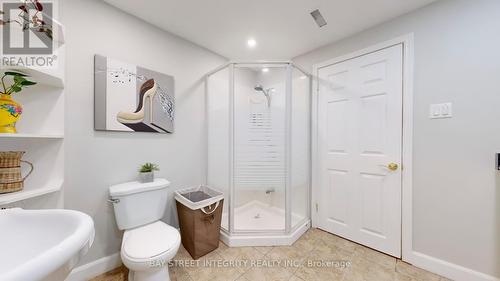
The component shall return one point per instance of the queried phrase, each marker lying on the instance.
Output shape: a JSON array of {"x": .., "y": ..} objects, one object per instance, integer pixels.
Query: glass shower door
[
  {"x": 300, "y": 148},
  {"x": 218, "y": 138},
  {"x": 259, "y": 147}
]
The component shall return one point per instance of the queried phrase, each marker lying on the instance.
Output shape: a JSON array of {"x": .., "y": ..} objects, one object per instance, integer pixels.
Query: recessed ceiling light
[
  {"x": 251, "y": 43},
  {"x": 265, "y": 69},
  {"x": 303, "y": 77}
]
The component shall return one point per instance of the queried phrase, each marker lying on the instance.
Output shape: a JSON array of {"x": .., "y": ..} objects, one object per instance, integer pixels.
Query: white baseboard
[
  {"x": 447, "y": 269},
  {"x": 95, "y": 268}
]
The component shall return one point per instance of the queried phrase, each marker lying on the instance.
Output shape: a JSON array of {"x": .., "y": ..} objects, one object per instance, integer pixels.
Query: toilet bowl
[
  {"x": 147, "y": 250},
  {"x": 148, "y": 244}
]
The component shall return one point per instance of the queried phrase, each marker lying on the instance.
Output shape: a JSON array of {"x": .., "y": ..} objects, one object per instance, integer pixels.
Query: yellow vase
[{"x": 10, "y": 112}]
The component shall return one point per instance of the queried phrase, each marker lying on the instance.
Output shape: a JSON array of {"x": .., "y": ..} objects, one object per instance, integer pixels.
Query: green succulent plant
[
  {"x": 20, "y": 82},
  {"x": 148, "y": 167}
]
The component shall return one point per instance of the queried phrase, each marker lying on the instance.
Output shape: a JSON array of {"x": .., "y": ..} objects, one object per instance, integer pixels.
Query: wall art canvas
[{"x": 132, "y": 98}]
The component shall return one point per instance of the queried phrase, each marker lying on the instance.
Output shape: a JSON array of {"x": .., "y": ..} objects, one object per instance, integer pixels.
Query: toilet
[{"x": 148, "y": 243}]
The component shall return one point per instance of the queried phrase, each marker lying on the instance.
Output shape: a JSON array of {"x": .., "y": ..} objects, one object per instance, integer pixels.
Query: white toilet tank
[{"x": 138, "y": 203}]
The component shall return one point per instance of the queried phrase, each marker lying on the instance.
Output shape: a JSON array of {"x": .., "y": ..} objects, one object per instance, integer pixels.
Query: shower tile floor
[
  {"x": 256, "y": 215},
  {"x": 316, "y": 256}
]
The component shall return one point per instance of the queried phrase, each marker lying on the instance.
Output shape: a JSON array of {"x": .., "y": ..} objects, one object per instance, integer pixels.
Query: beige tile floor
[{"x": 316, "y": 256}]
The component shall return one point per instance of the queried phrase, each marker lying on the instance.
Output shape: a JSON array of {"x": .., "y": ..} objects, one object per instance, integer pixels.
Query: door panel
[
  {"x": 359, "y": 134},
  {"x": 372, "y": 217},
  {"x": 336, "y": 138},
  {"x": 338, "y": 194}
]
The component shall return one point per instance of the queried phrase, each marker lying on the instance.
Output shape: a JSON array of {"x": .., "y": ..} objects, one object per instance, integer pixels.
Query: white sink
[{"x": 42, "y": 244}]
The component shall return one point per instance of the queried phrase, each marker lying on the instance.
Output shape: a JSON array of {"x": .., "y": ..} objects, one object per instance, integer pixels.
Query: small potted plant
[
  {"x": 147, "y": 172},
  {"x": 10, "y": 110}
]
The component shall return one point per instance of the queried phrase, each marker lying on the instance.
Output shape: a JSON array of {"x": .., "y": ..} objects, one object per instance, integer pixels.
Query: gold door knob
[{"x": 392, "y": 166}]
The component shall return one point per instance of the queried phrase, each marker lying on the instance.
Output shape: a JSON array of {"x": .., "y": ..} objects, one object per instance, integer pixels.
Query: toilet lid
[{"x": 150, "y": 240}]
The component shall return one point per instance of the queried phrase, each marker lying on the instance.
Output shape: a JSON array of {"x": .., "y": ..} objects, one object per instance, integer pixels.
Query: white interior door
[{"x": 359, "y": 149}]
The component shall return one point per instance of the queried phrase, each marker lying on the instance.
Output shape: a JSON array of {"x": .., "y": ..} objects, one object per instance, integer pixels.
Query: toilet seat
[{"x": 150, "y": 246}]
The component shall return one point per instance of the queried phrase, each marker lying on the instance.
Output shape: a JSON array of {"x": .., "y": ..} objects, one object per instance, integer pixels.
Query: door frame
[{"x": 407, "y": 138}]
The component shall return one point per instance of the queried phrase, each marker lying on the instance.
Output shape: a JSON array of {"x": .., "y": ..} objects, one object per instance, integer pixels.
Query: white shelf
[
  {"x": 41, "y": 130},
  {"x": 44, "y": 75},
  {"x": 39, "y": 75},
  {"x": 28, "y": 193},
  {"x": 32, "y": 136}
]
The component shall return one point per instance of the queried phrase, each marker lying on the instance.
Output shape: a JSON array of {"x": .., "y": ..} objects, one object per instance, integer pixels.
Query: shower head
[{"x": 259, "y": 88}]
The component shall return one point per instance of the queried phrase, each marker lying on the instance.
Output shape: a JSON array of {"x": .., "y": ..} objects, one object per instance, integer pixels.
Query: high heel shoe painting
[
  {"x": 146, "y": 98},
  {"x": 131, "y": 98}
]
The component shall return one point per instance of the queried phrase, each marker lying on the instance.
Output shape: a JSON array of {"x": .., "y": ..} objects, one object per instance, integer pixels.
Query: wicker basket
[{"x": 10, "y": 171}]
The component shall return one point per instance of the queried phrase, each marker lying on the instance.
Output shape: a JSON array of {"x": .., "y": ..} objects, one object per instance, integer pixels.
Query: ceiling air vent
[{"x": 318, "y": 18}]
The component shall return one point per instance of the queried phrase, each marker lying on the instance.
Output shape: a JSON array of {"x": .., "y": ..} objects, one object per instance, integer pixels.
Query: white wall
[
  {"x": 456, "y": 193},
  {"x": 96, "y": 160}
]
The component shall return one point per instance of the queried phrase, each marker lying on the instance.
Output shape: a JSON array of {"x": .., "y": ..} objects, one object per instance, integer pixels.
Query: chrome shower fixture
[
  {"x": 267, "y": 93},
  {"x": 270, "y": 190}
]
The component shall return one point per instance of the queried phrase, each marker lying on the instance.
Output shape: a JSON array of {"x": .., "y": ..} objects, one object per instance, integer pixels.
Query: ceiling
[{"x": 282, "y": 28}]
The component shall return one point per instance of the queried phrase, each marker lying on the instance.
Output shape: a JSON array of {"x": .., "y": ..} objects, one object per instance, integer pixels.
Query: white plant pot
[{"x": 146, "y": 177}]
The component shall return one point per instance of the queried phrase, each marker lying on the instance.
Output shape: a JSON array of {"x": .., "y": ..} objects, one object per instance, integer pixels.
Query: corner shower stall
[{"x": 258, "y": 150}]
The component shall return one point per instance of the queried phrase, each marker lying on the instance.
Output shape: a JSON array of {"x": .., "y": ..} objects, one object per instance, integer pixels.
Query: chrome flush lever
[{"x": 114, "y": 201}]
